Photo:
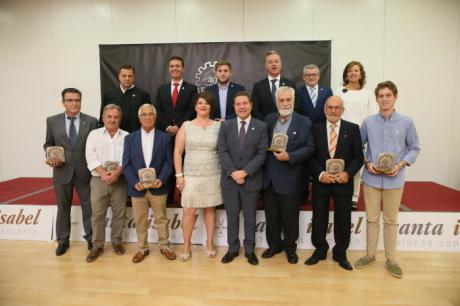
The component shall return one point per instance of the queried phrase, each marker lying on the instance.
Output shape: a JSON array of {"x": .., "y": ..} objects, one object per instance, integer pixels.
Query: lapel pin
[
  {"x": 183, "y": 87},
  {"x": 294, "y": 133},
  {"x": 253, "y": 128},
  {"x": 134, "y": 95}
]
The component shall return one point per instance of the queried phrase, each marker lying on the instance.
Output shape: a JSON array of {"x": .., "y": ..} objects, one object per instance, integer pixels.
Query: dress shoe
[
  {"x": 252, "y": 259},
  {"x": 118, "y": 249},
  {"x": 314, "y": 259},
  {"x": 343, "y": 263},
  {"x": 186, "y": 256},
  {"x": 292, "y": 257},
  {"x": 168, "y": 253},
  {"x": 62, "y": 248},
  {"x": 228, "y": 257},
  {"x": 140, "y": 255},
  {"x": 94, "y": 254},
  {"x": 210, "y": 253},
  {"x": 90, "y": 245},
  {"x": 269, "y": 253}
]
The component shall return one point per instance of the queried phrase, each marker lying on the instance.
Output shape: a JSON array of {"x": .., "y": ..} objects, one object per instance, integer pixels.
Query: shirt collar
[
  {"x": 143, "y": 132},
  {"x": 337, "y": 123},
  {"x": 123, "y": 90},
  {"x": 245, "y": 120},
  {"x": 77, "y": 116},
  {"x": 278, "y": 78}
]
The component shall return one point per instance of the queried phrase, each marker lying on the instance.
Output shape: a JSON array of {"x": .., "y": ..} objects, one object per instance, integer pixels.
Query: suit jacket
[
  {"x": 133, "y": 160},
  {"x": 315, "y": 114},
  {"x": 289, "y": 177},
  {"x": 129, "y": 102},
  {"x": 349, "y": 148},
  {"x": 263, "y": 103},
  {"x": 250, "y": 158},
  {"x": 167, "y": 114},
  {"x": 75, "y": 160},
  {"x": 233, "y": 88}
]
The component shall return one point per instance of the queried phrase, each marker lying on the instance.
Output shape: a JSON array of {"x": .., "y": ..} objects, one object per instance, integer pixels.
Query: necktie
[
  {"x": 72, "y": 131},
  {"x": 242, "y": 134},
  {"x": 175, "y": 94},
  {"x": 332, "y": 140},
  {"x": 274, "y": 90},
  {"x": 313, "y": 96}
]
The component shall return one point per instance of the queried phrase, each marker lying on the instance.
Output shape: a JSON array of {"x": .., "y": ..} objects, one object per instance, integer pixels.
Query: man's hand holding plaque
[
  {"x": 279, "y": 142},
  {"x": 55, "y": 156},
  {"x": 385, "y": 163},
  {"x": 335, "y": 172},
  {"x": 148, "y": 179}
]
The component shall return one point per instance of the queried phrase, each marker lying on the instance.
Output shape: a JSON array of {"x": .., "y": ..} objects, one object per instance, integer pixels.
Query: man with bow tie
[{"x": 335, "y": 139}]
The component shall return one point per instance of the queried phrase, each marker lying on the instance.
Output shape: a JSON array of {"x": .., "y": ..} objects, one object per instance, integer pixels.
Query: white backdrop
[{"x": 46, "y": 45}]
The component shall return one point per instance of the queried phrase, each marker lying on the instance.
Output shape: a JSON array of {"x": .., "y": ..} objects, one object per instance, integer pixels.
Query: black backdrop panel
[{"x": 247, "y": 58}]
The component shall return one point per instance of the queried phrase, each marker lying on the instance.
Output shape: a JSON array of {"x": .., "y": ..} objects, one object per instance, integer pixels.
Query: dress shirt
[
  {"x": 396, "y": 135},
  {"x": 328, "y": 128},
  {"x": 247, "y": 120},
  {"x": 315, "y": 89},
  {"x": 282, "y": 127},
  {"x": 178, "y": 86},
  {"x": 101, "y": 147},
  {"x": 76, "y": 123},
  {"x": 277, "y": 82},
  {"x": 125, "y": 90},
  {"x": 147, "y": 145},
  {"x": 223, "y": 92}
]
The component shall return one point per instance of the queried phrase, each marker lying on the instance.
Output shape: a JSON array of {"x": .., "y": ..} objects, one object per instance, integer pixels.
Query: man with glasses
[
  {"x": 311, "y": 96},
  {"x": 149, "y": 147},
  {"x": 70, "y": 130}
]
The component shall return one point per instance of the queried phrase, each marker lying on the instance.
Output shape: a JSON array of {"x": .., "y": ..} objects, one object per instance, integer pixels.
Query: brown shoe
[
  {"x": 140, "y": 255},
  {"x": 168, "y": 253},
  {"x": 118, "y": 249},
  {"x": 94, "y": 254}
]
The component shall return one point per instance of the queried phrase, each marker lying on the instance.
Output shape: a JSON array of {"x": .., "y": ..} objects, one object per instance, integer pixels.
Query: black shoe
[
  {"x": 343, "y": 263},
  {"x": 269, "y": 253},
  {"x": 228, "y": 257},
  {"x": 62, "y": 248},
  {"x": 90, "y": 245},
  {"x": 314, "y": 259},
  {"x": 252, "y": 258},
  {"x": 292, "y": 257},
  {"x": 354, "y": 205}
]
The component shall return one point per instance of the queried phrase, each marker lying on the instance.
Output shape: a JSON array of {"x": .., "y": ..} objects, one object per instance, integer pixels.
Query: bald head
[{"x": 333, "y": 108}]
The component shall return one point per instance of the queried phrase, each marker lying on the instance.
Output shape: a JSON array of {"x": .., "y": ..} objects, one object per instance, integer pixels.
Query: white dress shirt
[
  {"x": 178, "y": 86},
  {"x": 76, "y": 122},
  {"x": 147, "y": 145},
  {"x": 278, "y": 78},
  {"x": 101, "y": 147},
  {"x": 247, "y": 120},
  {"x": 328, "y": 128}
]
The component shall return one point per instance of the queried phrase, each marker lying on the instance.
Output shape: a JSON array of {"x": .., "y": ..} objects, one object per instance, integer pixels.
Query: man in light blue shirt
[{"x": 386, "y": 132}]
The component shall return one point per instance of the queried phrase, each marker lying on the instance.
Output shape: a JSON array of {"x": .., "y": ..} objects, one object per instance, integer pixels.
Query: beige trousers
[
  {"x": 391, "y": 199},
  {"x": 141, "y": 215}
]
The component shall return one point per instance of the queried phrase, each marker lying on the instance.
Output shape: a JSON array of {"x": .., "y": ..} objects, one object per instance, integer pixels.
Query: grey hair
[
  {"x": 149, "y": 106},
  {"x": 311, "y": 66},
  {"x": 112, "y": 106},
  {"x": 283, "y": 89}
]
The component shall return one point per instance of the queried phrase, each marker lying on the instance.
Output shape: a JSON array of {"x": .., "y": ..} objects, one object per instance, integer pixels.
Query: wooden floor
[{"x": 32, "y": 275}]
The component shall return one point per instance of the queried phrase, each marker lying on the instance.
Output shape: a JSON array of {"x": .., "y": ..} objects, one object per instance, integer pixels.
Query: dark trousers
[
  {"x": 64, "y": 195},
  {"x": 281, "y": 215},
  {"x": 342, "y": 222},
  {"x": 234, "y": 201}
]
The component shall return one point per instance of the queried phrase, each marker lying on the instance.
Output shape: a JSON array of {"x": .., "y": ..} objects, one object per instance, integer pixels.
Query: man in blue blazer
[
  {"x": 285, "y": 176},
  {"x": 311, "y": 97},
  {"x": 149, "y": 148},
  {"x": 224, "y": 91}
]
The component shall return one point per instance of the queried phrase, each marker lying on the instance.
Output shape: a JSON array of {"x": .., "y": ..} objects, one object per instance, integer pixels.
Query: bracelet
[{"x": 179, "y": 174}]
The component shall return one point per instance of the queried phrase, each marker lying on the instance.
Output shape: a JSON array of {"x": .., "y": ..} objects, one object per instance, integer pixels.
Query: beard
[{"x": 285, "y": 112}]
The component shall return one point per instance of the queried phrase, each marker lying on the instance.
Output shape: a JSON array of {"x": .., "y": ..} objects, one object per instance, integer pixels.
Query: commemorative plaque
[
  {"x": 385, "y": 163},
  {"x": 110, "y": 166},
  {"x": 335, "y": 166},
  {"x": 147, "y": 177},
  {"x": 55, "y": 154},
  {"x": 279, "y": 142}
]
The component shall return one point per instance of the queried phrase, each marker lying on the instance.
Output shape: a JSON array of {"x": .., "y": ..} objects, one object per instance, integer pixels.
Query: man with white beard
[{"x": 285, "y": 177}]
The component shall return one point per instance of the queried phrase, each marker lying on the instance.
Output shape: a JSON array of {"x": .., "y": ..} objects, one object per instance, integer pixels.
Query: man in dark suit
[
  {"x": 224, "y": 91},
  {"x": 285, "y": 176},
  {"x": 70, "y": 131},
  {"x": 335, "y": 139},
  {"x": 311, "y": 97},
  {"x": 264, "y": 91},
  {"x": 149, "y": 148},
  {"x": 242, "y": 145},
  {"x": 174, "y": 105},
  {"x": 128, "y": 97}
]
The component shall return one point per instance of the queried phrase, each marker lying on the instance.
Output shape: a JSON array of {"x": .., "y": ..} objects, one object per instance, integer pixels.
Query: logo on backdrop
[{"x": 206, "y": 75}]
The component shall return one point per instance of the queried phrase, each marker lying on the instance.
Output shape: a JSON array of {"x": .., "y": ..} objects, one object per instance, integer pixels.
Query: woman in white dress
[
  {"x": 359, "y": 103},
  {"x": 198, "y": 174}
]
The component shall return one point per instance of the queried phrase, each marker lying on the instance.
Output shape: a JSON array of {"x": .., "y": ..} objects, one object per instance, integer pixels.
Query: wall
[{"x": 48, "y": 45}]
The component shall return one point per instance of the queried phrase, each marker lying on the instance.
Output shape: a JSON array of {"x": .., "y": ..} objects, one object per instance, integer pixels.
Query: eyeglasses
[
  {"x": 146, "y": 114},
  {"x": 78, "y": 101},
  {"x": 309, "y": 75}
]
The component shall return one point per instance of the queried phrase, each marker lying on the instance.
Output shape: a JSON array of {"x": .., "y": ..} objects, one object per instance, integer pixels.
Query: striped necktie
[
  {"x": 313, "y": 96},
  {"x": 332, "y": 140}
]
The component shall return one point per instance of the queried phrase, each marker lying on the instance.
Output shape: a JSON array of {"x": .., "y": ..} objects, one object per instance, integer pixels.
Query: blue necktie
[
  {"x": 313, "y": 96},
  {"x": 274, "y": 90},
  {"x": 72, "y": 131}
]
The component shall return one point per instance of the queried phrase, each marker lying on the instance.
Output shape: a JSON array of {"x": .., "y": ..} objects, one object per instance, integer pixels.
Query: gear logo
[{"x": 206, "y": 75}]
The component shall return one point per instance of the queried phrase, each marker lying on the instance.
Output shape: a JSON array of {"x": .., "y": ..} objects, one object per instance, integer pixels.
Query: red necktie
[{"x": 175, "y": 94}]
